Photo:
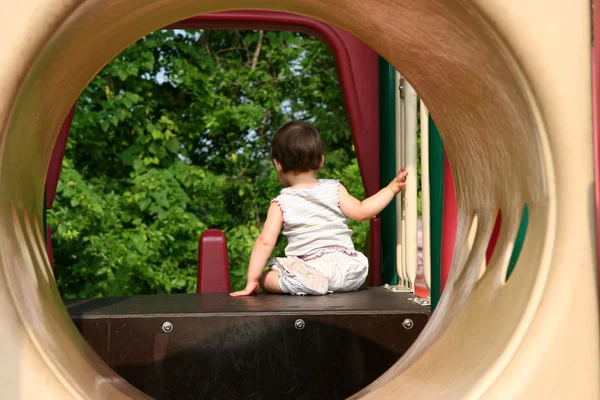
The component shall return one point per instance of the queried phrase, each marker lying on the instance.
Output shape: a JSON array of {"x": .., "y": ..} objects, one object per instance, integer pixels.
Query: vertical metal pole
[{"x": 425, "y": 196}]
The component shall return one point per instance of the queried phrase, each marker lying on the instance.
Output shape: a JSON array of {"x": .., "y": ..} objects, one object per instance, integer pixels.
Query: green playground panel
[
  {"x": 436, "y": 201},
  {"x": 387, "y": 142}
]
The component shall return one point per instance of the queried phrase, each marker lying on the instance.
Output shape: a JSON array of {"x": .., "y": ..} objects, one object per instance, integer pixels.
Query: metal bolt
[
  {"x": 167, "y": 327},
  {"x": 408, "y": 323},
  {"x": 401, "y": 87},
  {"x": 299, "y": 324}
]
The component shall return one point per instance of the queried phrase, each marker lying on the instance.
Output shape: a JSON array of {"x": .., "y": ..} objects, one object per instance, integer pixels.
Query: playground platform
[{"x": 211, "y": 345}]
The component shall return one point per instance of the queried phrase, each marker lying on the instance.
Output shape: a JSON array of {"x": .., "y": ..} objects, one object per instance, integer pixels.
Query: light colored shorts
[{"x": 329, "y": 273}]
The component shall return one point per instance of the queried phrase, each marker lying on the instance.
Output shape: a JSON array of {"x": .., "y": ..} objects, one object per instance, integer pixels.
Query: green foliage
[{"x": 171, "y": 138}]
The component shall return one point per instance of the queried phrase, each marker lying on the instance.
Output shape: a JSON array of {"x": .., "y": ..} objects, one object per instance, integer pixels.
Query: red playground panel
[
  {"x": 449, "y": 224},
  {"x": 213, "y": 265}
]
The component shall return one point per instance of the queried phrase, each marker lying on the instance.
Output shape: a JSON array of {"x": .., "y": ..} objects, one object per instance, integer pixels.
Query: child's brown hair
[{"x": 298, "y": 147}]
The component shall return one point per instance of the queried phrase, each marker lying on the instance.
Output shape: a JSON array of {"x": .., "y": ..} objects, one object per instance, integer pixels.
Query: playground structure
[
  {"x": 511, "y": 141},
  {"x": 373, "y": 350}
]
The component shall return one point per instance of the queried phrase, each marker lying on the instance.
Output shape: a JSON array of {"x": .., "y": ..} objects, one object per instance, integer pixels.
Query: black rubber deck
[
  {"x": 365, "y": 301},
  {"x": 258, "y": 347}
]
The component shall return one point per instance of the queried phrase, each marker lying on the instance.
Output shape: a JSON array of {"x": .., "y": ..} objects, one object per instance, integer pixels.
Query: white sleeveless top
[{"x": 313, "y": 221}]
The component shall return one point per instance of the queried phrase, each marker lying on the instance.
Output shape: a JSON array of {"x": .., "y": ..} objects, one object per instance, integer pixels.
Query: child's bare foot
[{"x": 314, "y": 281}]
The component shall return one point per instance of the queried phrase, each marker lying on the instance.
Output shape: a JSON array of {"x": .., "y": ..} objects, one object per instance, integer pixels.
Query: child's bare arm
[
  {"x": 262, "y": 250},
  {"x": 368, "y": 208}
]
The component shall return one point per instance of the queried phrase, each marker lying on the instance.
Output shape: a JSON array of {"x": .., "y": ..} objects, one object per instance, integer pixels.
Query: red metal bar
[
  {"x": 213, "y": 265},
  {"x": 56, "y": 160},
  {"x": 449, "y": 223},
  {"x": 494, "y": 238},
  {"x": 357, "y": 66}
]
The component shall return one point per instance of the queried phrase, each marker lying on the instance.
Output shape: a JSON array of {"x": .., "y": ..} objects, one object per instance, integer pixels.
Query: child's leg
[
  {"x": 269, "y": 282},
  {"x": 295, "y": 277},
  {"x": 302, "y": 279}
]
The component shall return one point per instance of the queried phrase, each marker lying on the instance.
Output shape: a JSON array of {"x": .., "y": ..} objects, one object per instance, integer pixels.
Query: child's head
[{"x": 297, "y": 147}]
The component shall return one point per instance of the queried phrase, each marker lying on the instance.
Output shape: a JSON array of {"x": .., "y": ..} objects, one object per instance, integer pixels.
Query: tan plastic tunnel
[{"x": 509, "y": 85}]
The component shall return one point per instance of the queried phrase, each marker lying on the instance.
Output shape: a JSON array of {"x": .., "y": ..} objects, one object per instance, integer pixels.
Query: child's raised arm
[
  {"x": 262, "y": 250},
  {"x": 370, "y": 207}
]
